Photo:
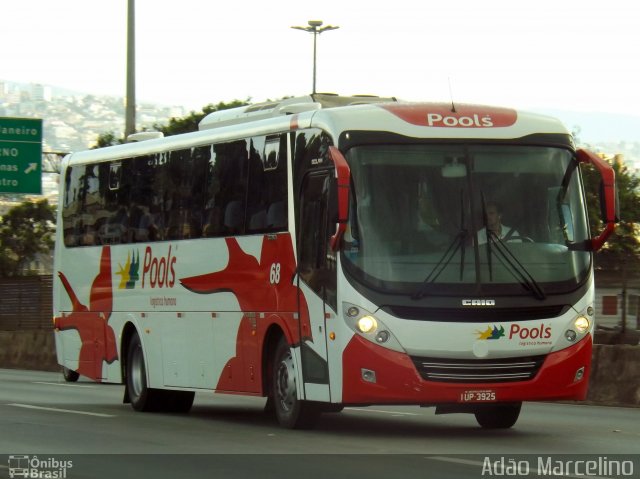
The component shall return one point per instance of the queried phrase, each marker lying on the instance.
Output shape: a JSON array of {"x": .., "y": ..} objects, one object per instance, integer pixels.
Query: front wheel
[
  {"x": 498, "y": 416},
  {"x": 291, "y": 412},
  {"x": 70, "y": 375}
]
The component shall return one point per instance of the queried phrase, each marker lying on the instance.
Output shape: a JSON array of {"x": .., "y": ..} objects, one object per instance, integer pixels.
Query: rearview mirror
[
  {"x": 341, "y": 195},
  {"x": 608, "y": 196}
]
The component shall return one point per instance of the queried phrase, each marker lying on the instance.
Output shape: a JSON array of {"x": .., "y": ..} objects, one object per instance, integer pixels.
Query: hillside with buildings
[{"x": 72, "y": 121}]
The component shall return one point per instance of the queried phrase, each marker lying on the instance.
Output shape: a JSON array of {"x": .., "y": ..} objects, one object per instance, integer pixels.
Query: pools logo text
[
  {"x": 157, "y": 272},
  {"x": 517, "y": 331}
]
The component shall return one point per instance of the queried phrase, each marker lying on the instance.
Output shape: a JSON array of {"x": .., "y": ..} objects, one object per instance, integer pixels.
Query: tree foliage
[
  {"x": 107, "y": 139},
  {"x": 190, "y": 122},
  {"x": 26, "y": 230}
]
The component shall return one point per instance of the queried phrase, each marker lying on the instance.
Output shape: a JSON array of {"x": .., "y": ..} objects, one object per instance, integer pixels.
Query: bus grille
[{"x": 501, "y": 370}]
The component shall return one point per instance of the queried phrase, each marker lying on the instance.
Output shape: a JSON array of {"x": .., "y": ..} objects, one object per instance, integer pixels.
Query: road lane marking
[
  {"x": 63, "y": 384},
  {"x": 55, "y": 409},
  {"x": 395, "y": 413}
]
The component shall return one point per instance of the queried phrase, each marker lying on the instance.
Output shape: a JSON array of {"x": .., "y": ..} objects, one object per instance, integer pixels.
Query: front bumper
[{"x": 397, "y": 380}]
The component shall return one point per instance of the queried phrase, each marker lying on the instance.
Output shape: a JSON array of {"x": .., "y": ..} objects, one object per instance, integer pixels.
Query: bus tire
[
  {"x": 290, "y": 411},
  {"x": 70, "y": 375},
  {"x": 498, "y": 416},
  {"x": 142, "y": 397},
  {"x": 333, "y": 407},
  {"x": 177, "y": 401}
]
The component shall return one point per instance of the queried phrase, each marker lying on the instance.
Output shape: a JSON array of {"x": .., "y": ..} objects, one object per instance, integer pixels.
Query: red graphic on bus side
[
  {"x": 98, "y": 338},
  {"x": 259, "y": 286},
  {"x": 266, "y": 285}
]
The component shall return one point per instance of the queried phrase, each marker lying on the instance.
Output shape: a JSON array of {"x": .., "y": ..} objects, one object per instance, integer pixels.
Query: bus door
[{"x": 316, "y": 280}]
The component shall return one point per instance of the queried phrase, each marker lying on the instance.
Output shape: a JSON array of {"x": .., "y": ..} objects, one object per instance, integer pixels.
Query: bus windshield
[{"x": 448, "y": 219}]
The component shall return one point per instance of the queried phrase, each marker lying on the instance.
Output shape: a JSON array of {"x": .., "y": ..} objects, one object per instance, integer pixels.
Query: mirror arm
[{"x": 608, "y": 176}]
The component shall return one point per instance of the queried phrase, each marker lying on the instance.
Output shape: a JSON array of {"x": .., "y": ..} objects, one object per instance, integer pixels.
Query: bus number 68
[{"x": 274, "y": 274}]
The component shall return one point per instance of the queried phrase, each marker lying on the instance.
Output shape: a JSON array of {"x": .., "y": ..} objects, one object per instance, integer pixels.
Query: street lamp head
[
  {"x": 315, "y": 27},
  {"x": 327, "y": 28}
]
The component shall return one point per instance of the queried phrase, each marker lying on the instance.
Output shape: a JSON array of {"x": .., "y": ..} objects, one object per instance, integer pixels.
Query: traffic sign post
[{"x": 21, "y": 155}]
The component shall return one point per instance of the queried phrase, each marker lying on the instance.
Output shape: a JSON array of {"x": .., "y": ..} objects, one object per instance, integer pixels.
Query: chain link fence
[{"x": 26, "y": 303}]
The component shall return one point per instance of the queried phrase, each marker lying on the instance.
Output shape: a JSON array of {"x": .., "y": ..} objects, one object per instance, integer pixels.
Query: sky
[{"x": 563, "y": 54}]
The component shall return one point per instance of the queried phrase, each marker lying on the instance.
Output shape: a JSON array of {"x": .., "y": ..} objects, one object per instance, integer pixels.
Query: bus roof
[
  {"x": 343, "y": 114},
  {"x": 439, "y": 120},
  {"x": 286, "y": 106}
]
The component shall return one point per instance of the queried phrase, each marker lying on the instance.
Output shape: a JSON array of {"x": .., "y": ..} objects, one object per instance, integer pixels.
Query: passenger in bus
[{"x": 494, "y": 223}]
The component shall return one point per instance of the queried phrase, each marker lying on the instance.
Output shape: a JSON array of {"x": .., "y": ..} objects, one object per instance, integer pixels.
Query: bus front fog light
[
  {"x": 590, "y": 311},
  {"x": 581, "y": 324},
  {"x": 352, "y": 312},
  {"x": 579, "y": 375},
  {"x": 368, "y": 375},
  {"x": 382, "y": 336},
  {"x": 367, "y": 324},
  {"x": 570, "y": 335}
]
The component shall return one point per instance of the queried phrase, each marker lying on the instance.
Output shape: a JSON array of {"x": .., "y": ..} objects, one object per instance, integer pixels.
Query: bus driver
[{"x": 494, "y": 223}]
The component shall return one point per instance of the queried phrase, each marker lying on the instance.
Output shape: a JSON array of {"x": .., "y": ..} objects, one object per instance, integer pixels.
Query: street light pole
[
  {"x": 130, "y": 102},
  {"x": 315, "y": 27}
]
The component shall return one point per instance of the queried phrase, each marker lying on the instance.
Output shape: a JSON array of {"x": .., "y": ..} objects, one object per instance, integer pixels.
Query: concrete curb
[
  {"x": 30, "y": 349},
  {"x": 615, "y": 373}
]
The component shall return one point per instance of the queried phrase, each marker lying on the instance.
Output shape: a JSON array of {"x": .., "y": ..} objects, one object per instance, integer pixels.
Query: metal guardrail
[{"x": 26, "y": 303}]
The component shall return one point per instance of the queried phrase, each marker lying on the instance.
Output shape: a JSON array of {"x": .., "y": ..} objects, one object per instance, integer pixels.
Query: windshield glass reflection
[{"x": 421, "y": 217}]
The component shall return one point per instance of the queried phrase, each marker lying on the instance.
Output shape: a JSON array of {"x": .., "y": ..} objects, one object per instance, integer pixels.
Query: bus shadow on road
[{"x": 360, "y": 423}]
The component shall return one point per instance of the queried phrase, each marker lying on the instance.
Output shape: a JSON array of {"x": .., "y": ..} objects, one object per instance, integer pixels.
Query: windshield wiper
[
  {"x": 458, "y": 243},
  {"x": 485, "y": 222},
  {"x": 516, "y": 268}
]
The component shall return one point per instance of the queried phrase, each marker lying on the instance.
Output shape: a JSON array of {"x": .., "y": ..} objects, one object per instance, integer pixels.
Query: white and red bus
[{"x": 333, "y": 256}]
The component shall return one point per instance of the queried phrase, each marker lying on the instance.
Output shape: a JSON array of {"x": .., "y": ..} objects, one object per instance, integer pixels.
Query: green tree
[
  {"x": 25, "y": 230},
  {"x": 107, "y": 139},
  {"x": 190, "y": 122}
]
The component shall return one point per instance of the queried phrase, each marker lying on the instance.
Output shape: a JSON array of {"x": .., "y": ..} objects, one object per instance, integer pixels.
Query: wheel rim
[
  {"x": 286, "y": 383},
  {"x": 137, "y": 372}
]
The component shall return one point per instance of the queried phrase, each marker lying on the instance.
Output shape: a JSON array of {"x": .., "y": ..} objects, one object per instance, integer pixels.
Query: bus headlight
[
  {"x": 581, "y": 324},
  {"x": 367, "y": 324}
]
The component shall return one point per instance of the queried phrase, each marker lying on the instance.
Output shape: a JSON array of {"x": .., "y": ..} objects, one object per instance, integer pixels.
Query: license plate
[{"x": 486, "y": 395}]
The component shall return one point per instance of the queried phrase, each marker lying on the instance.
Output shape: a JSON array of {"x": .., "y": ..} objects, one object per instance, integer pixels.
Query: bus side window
[
  {"x": 267, "y": 193},
  {"x": 226, "y": 189}
]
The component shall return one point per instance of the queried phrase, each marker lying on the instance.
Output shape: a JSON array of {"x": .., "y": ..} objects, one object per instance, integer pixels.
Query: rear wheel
[
  {"x": 498, "y": 416},
  {"x": 142, "y": 397},
  {"x": 291, "y": 412},
  {"x": 70, "y": 375},
  {"x": 177, "y": 401}
]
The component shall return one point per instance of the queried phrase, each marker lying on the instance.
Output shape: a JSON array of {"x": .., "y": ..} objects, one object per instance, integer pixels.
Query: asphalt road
[{"x": 230, "y": 436}]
